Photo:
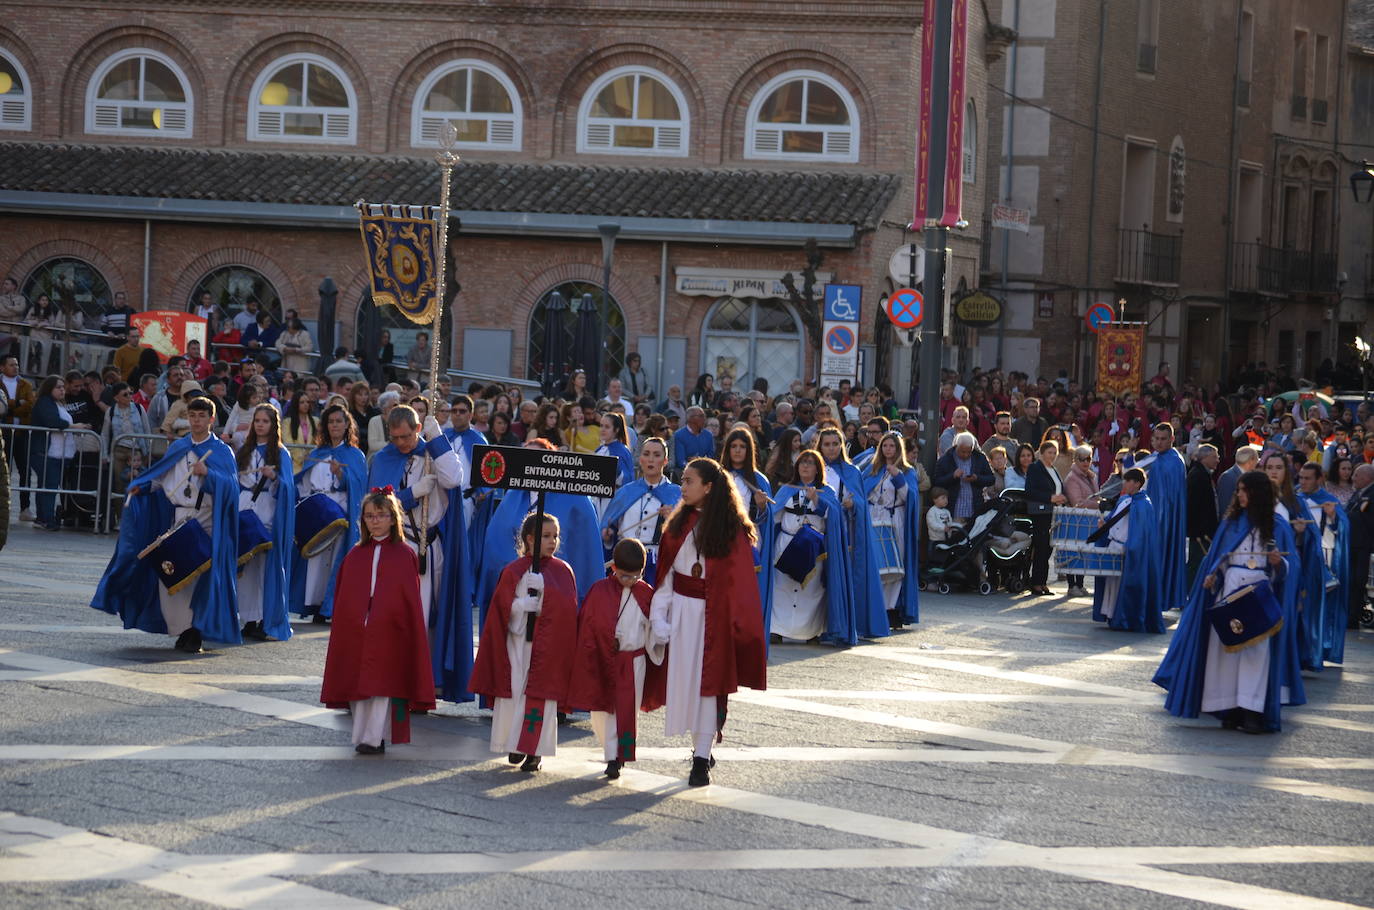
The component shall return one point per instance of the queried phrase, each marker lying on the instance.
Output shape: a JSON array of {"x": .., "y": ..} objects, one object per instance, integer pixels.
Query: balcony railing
[
  {"x": 1271, "y": 270},
  {"x": 1144, "y": 257}
]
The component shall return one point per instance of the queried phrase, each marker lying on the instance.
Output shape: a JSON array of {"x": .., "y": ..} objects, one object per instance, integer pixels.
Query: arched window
[
  {"x": 612, "y": 330},
  {"x": 970, "y": 163},
  {"x": 139, "y": 91},
  {"x": 302, "y": 98},
  {"x": 803, "y": 115},
  {"x": 70, "y": 283},
  {"x": 373, "y": 320},
  {"x": 230, "y": 288},
  {"x": 478, "y": 99},
  {"x": 633, "y": 111},
  {"x": 16, "y": 97},
  {"x": 749, "y": 338}
]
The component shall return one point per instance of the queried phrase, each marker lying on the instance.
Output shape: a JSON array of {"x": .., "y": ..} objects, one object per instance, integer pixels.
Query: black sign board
[
  {"x": 978, "y": 308},
  {"x": 542, "y": 471}
]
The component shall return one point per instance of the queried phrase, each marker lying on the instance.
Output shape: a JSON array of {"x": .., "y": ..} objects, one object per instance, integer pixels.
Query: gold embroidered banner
[
  {"x": 1120, "y": 359},
  {"x": 402, "y": 257}
]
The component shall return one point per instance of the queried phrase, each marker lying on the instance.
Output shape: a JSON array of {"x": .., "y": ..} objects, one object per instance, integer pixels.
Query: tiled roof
[
  {"x": 840, "y": 197},
  {"x": 1361, "y": 26}
]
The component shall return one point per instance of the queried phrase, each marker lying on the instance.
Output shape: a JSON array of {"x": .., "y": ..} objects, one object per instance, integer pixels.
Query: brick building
[
  {"x": 164, "y": 148},
  {"x": 1212, "y": 212}
]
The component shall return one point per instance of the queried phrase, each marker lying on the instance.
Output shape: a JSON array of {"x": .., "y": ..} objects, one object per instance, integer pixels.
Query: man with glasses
[
  {"x": 872, "y": 433},
  {"x": 463, "y": 436}
]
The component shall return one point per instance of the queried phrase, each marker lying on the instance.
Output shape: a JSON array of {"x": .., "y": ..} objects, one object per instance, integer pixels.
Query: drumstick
[{"x": 756, "y": 489}]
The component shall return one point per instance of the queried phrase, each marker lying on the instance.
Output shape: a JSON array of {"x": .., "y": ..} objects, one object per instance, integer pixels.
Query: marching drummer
[
  {"x": 336, "y": 471},
  {"x": 1134, "y": 600},
  {"x": 198, "y": 478},
  {"x": 267, "y": 507},
  {"x": 811, "y": 599}
]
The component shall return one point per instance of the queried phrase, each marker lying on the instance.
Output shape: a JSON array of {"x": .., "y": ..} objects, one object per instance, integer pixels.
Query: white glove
[
  {"x": 663, "y": 631},
  {"x": 529, "y": 593},
  {"x": 422, "y": 487},
  {"x": 431, "y": 429}
]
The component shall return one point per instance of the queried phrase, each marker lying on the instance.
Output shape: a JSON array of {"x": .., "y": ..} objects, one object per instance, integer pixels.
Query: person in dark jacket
[
  {"x": 963, "y": 471},
  {"x": 1247, "y": 459},
  {"x": 1202, "y": 506},
  {"x": 1044, "y": 491},
  {"x": 1361, "y": 512}
]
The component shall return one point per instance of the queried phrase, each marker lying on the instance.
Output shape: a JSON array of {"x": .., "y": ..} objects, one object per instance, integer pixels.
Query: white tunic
[
  {"x": 448, "y": 472},
  {"x": 182, "y": 489},
  {"x": 1111, "y": 584},
  {"x": 631, "y": 634},
  {"x": 686, "y": 708},
  {"x": 319, "y": 569},
  {"x": 507, "y": 714},
  {"x": 798, "y": 610},
  {"x": 639, "y": 521},
  {"x": 887, "y": 509},
  {"x": 251, "y": 578},
  {"x": 1237, "y": 679}
]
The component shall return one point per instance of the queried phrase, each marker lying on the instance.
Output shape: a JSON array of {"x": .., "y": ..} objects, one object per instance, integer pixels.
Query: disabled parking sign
[{"x": 840, "y": 333}]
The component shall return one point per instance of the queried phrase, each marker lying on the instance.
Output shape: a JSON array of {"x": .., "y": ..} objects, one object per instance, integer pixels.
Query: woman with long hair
[
  {"x": 894, "y": 508},
  {"x": 300, "y": 428},
  {"x": 576, "y": 386},
  {"x": 336, "y": 469},
  {"x": 1016, "y": 471},
  {"x": 499, "y": 433},
  {"x": 1339, "y": 480},
  {"x": 703, "y": 394},
  {"x": 360, "y": 408},
  {"x": 49, "y": 452},
  {"x": 707, "y": 609},
  {"x": 148, "y": 363},
  {"x": 546, "y": 426},
  {"x": 812, "y": 596},
  {"x": 267, "y": 490},
  {"x": 1063, "y": 462},
  {"x": 785, "y": 451},
  {"x": 1245, "y": 683},
  {"x": 615, "y": 442},
  {"x": 739, "y": 460}
]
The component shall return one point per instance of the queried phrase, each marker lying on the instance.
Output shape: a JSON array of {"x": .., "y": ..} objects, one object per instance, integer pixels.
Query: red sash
[
  {"x": 400, "y": 721},
  {"x": 531, "y": 726},
  {"x": 626, "y": 705},
  {"x": 688, "y": 586}
]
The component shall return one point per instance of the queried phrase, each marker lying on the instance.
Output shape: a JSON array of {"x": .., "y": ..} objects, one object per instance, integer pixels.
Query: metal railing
[
  {"x": 58, "y": 349},
  {"x": 1144, "y": 257},
  {"x": 1271, "y": 270},
  {"x": 80, "y": 478}
]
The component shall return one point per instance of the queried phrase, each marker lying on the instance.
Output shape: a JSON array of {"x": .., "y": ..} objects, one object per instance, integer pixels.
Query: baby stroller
[
  {"x": 958, "y": 562},
  {"x": 1008, "y": 554}
]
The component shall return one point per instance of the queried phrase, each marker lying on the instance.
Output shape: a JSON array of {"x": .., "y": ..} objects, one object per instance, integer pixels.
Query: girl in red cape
[
  {"x": 614, "y": 647},
  {"x": 525, "y": 655},
  {"x": 707, "y": 608},
  {"x": 378, "y": 662}
]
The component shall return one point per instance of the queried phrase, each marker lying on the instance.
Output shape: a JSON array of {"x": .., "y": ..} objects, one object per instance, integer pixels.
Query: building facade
[{"x": 167, "y": 148}]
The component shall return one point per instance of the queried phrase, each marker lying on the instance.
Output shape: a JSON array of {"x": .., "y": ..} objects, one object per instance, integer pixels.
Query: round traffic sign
[
  {"x": 840, "y": 340},
  {"x": 904, "y": 308},
  {"x": 899, "y": 264},
  {"x": 1098, "y": 317}
]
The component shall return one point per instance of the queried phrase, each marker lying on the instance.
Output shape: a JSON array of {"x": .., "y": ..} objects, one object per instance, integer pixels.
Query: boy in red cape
[
  {"x": 613, "y": 640},
  {"x": 378, "y": 662},
  {"x": 707, "y": 608},
  {"x": 525, "y": 655}
]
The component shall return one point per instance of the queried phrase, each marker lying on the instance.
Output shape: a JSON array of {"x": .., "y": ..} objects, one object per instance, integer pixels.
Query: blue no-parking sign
[{"x": 840, "y": 333}]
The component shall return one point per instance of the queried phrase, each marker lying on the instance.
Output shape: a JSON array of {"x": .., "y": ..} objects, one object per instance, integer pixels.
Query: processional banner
[{"x": 402, "y": 256}]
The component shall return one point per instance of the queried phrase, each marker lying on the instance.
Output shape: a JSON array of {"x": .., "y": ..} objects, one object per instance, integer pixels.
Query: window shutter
[
  {"x": 174, "y": 120},
  {"x": 107, "y": 116},
  {"x": 599, "y": 135},
  {"x": 501, "y": 132},
  {"x": 838, "y": 143},
  {"x": 336, "y": 126},
  {"x": 12, "y": 112},
  {"x": 269, "y": 123},
  {"x": 668, "y": 138},
  {"x": 767, "y": 142}
]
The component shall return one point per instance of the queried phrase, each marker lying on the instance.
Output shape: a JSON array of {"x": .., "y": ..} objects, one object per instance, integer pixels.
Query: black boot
[
  {"x": 531, "y": 764},
  {"x": 613, "y": 769},
  {"x": 254, "y": 631},
  {"x": 701, "y": 772},
  {"x": 1230, "y": 720},
  {"x": 319, "y": 619},
  {"x": 515, "y": 758},
  {"x": 368, "y": 749},
  {"x": 189, "y": 641},
  {"x": 1252, "y": 722}
]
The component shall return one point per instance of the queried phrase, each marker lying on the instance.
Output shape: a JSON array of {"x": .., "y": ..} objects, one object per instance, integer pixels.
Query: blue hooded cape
[
  {"x": 763, "y": 566},
  {"x": 667, "y": 492},
  {"x": 282, "y": 558},
  {"x": 1311, "y": 572},
  {"x": 1335, "y": 602},
  {"x": 625, "y": 462},
  {"x": 840, "y": 626},
  {"x": 1182, "y": 672},
  {"x": 450, "y": 615},
  {"x": 354, "y": 479},
  {"x": 579, "y": 543},
  {"x": 1138, "y": 599},
  {"x": 129, "y": 587},
  {"x": 468, "y": 439},
  {"x": 909, "y": 601},
  {"x": 870, "y": 609},
  {"x": 1168, "y": 485}
]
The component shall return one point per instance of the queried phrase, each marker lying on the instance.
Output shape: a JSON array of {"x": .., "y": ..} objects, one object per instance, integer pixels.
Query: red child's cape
[
  {"x": 555, "y": 635},
  {"x": 594, "y": 670},
  {"x": 378, "y": 644}
]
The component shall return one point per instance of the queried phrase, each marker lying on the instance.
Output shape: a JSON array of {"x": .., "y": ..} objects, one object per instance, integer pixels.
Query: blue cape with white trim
[{"x": 354, "y": 480}]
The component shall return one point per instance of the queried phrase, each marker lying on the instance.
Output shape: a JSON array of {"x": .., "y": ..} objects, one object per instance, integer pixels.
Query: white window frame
[
  {"x": 431, "y": 122},
  {"x": 849, "y": 154},
  {"x": 590, "y": 129},
  {"x": 16, "y": 112},
  {"x": 342, "y": 129},
  {"x": 99, "y": 111},
  {"x": 969, "y": 165},
  {"x": 752, "y": 334}
]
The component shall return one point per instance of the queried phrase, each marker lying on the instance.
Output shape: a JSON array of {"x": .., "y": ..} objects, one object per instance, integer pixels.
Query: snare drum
[
  {"x": 1073, "y": 555},
  {"x": 319, "y": 520},
  {"x": 179, "y": 555},
  {"x": 1246, "y": 617},
  {"x": 254, "y": 538},
  {"x": 802, "y": 555}
]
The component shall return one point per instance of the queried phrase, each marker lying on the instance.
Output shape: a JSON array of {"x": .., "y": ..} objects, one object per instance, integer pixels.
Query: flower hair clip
[{"x": 388, "y": 490}]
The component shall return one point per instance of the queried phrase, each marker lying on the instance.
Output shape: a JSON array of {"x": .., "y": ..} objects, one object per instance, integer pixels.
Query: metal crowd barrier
[
  {"x": 36, "y": 354},
  {"x": 81, "y": 476}
]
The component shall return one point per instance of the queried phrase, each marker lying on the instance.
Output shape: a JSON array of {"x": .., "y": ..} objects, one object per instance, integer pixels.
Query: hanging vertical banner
[
  {"x": 401, "y": 246},
  {"x": 944, "y": 43},
  {"x": 1120, "y": 359}
]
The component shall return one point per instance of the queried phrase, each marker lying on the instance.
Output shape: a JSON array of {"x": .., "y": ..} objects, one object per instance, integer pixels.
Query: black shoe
[
  {"x": 515, "y": 758},
  {"x": 1253, "y": 723},
  {"x": 1230, "y": 720},
  {"x": 189, "y": 641},
  {"x": 319, "y": 619},
  {"x": 531, "y": 764},
  {"x": 562, "y": 718},
  {"x": 366, "y": 749},
  {"x": 254, "y": 631},
  {"x": 613, "y": 769},
  {"x": 774, "y": 638},
  {"x": 700, "y": 776}
]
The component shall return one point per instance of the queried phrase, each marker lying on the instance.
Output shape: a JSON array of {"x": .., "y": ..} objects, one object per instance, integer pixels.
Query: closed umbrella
[
  {"x": 555, "y": 345},
  {"x": 587, "y": 343}
]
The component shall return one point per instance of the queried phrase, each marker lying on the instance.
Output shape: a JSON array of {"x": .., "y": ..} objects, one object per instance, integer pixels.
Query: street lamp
[
  {"x": 608, "y": 234},
  {"x": 1362, "y": 182}
]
